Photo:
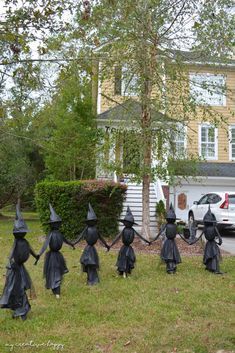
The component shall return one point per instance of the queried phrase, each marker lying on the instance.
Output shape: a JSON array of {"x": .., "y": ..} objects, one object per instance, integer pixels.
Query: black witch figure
[
  {"x": 90, "y": 259},
  {"x": 126, "y": 257},
  {"x": 54, "y": 265},
  {"x": 169, "y": 252},
  {"x": 18, "y": 281},
  {"x": 212, "y": 256}
]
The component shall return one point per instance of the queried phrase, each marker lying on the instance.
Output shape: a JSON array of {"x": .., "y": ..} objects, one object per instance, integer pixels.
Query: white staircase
[{"x": 134, "y": 200}]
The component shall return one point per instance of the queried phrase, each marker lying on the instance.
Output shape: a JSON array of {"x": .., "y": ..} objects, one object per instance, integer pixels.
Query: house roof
[
  {"x": 216, "y": 169},
  {"x": 202, "y": 169},
  {"x": 200, "y": 58},
  {"x": 129, "y": 111}
]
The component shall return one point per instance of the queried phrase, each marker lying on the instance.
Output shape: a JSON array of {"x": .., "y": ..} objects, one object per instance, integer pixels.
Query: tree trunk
[
  {"x": 145, "y": 210},
  {"x": 148, "y": 54},
  {"x": 147, "y": 161}
]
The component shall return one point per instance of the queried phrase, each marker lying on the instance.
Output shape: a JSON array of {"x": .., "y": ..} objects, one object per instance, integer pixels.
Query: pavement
[{"x": 228, "y": 241}]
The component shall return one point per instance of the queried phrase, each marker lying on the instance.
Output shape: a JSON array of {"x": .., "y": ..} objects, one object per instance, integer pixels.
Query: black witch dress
[
  {"x": 126, "y": 256},
  {"x": 90, "y": 259},
  {"x": 169, "y": 252},
  {"x": 212, "y": 255},
  {"x": 18, "y": 281},
  {"x": 54, "y": 265}
]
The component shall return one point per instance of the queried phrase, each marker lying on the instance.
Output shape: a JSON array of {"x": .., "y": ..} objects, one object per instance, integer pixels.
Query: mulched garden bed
[{"x": 155, "y": 248}]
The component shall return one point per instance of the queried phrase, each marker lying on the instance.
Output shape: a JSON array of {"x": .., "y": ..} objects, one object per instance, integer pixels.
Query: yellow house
[{"x": 214, "y": 143}]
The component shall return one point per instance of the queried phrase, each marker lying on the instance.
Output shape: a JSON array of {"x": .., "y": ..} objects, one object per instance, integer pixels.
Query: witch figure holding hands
[
  {"x": 169, "y": 252},
  {"x": 18, "y": 281},
  {"x": 90, "y": 259},
  {"x": 212, "y": 256},
  {"x": 54, "y": 265},
  {"x": 126, "y": 257}
]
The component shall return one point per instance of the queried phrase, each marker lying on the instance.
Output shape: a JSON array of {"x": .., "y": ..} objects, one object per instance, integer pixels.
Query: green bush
[
  {"x": 70, "y": 201},
  {"x": 160, "y": 213}
]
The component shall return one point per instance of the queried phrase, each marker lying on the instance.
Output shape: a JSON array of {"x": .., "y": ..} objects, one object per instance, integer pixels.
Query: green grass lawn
[{"x": 151, "y": 312}]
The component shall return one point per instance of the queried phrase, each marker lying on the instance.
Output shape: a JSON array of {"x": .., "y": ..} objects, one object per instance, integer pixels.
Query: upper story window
[
  {"x": 208, "y": 89},
  {"x": 232, "y": 142},
  {"x": 125, "y": 83},
  {"x": 180, "y": 140},
  {"x": 208, "y": 142},
  {"x": 129, "y": 83}
]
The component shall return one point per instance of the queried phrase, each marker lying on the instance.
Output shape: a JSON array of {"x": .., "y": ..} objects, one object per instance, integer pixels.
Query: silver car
[{"x": 222, "y": 206}]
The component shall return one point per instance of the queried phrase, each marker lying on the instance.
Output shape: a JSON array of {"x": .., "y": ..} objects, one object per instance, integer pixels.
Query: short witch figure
[
  {"x": 90, "y": 259},
  {"x": 54, "y": 265},
  {"x": 212, "y": 256},
  {"x": 169, "y": 252},
  {"x": 126, "y": 257},
  {"x": 18, "y": 281}
]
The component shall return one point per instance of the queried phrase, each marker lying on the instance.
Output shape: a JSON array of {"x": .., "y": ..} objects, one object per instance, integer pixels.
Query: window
[
  {"x": 208, "y": 89},
  {"x": 213, "y": 198},
  {"x": 129, "y": 83},
  {"x": 208, "y": 142},
  {"x": 180, "y": 141},
  {"x": 203, "y": 200},
  {"x": 209, "y": 199},
  {"x": 232, "y": 142}
]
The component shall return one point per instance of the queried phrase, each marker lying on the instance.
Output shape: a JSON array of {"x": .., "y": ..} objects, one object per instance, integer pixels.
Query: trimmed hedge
[{"x": 70, "y": 201}]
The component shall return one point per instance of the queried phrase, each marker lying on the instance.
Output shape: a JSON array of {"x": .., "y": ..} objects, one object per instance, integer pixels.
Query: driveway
[{"x": 228, "y": 241}]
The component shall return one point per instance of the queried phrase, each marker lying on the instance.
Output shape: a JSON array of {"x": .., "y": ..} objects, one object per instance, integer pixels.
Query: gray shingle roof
[
  {"x": 200, "y": 58},
  {"x": 129, "y": 111},
  {"x": 216, "y": 169}
]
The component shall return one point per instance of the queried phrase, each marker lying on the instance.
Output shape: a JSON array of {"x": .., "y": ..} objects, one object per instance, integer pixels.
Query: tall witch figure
[
  {"x": 90, "y": 259},
  {"x": 54, "y": 265},
  {"x": 169, "y": 252},
  {"x": 18, "y": 281},
  {"x": 212, "y": 256},
  {"x": 126, "y": 257}
]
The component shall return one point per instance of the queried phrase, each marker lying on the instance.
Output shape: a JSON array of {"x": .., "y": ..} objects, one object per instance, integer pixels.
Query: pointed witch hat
[
  {"x": 19, "y": 225},
  {"x": 209, "y": 217},
  {"x": 128, "y": 217},
  {"x": 171, "y": 213},
  {"x": 53, "y": 216},
  {"x": 91, "y": 216}
]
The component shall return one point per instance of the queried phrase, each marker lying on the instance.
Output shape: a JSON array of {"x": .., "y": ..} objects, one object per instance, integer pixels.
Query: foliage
[
  {"x": 191, "y": 312},
  {"x": 70, "y": 200},
  {"x": 21, "y": 163},
  {"x": 148, "y": 39},
  {"x": 146, "y": 42},
  {"x": 14, "y": 170},
  {"x": 160, "y": 213},
  {"x": 68, "y": 128}
]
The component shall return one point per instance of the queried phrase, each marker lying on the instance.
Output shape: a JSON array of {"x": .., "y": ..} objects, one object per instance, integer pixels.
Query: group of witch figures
[{"x": 18, "y": 281}]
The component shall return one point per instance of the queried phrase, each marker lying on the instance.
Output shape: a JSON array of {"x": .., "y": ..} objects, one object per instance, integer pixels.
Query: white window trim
[
  {"x": 99, "y": 95},
  {"x": 232, "y": 126},
  {"x": 224, "y": 101},
  {"x": 216, "y": 141}
]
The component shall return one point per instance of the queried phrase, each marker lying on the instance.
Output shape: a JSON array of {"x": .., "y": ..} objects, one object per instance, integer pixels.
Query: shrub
[
  {"x": 160, "y": 213},
  {"x": 70, "y": 201}
]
